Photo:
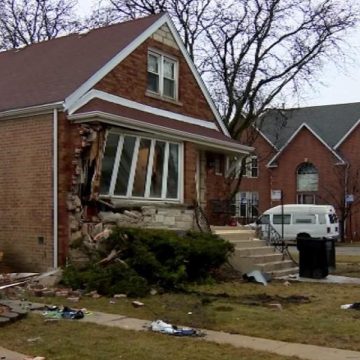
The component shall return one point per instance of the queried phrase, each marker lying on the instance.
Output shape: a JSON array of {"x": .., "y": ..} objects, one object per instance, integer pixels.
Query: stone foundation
[{"x": 160, "y": 217}]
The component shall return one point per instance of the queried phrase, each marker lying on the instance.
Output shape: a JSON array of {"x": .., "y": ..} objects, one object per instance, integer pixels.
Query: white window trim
[
  {"x": 161, "y": 56},
  {"x": 146, "y": 197}
]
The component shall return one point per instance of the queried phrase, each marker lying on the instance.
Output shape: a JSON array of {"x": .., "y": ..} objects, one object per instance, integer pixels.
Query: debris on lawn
[
  {"x": 10, "y": 280},
  {"x": 276, "y": 306},
  {"x": 165, "y": 328},
  {"x": 137, "y": 304},
  {"x": 54, "y": 312},
  {"x": 355, "y": 306},
  {"x": 35, "y": 339},
  {"x": 257, "y": 276},
  {"x": 119, "y": 296},
  {"x": 94, "y": 294}
]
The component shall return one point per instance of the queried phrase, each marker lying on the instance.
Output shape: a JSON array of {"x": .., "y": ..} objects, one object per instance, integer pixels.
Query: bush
[
  {"x": 113, "y": 279},
  {"x": 151, "y": 257}
]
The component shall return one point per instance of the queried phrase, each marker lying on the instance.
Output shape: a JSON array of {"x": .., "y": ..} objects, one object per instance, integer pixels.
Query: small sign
[
  {"x": 349, "y": 198},
  {"x": 276, "y": 194}
]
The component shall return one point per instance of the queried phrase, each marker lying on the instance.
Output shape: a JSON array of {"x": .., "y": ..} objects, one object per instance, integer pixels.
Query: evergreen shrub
[{"x": 150, "y": 257}]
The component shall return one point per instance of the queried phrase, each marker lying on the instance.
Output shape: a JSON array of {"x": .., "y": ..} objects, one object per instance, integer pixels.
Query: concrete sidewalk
[
  {"x": 307, "y": 352},
  {"x": 6, "y": 354}
]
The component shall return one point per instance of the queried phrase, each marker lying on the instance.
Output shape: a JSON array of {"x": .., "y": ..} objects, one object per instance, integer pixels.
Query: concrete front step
[
  {"x": 284, "y": 272},
  {"x": 238, "y": 236},
  {"x": 253, "y": 254},
  {"x": 266, "y": 258},
  {"x": 253, "y": 250},
  {"x": 268, "y": 267},
  {"x": 248, "y": 243}
]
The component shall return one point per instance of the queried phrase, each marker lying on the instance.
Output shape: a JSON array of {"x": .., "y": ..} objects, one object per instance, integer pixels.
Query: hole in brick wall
[{"x": 40, "y": 240}]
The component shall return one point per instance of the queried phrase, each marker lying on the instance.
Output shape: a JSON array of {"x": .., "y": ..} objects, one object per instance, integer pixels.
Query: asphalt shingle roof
[
  {"x": 330, "y": 122},
  {"x": 50, "y": 71}
]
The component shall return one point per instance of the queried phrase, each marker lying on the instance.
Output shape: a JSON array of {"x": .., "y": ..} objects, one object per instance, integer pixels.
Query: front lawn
[
  {"x": 308, "y": 312},
  {"x": 73, "y": 340}
]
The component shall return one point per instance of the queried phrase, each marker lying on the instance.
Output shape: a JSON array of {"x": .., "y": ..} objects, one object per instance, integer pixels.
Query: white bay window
[{"x": 141, "y": 168}]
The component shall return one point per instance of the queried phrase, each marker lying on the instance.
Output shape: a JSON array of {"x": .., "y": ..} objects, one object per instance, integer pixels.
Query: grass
[
  {"x": 72, "y": 340},
  {"x": 348, "y": 265},
  {"x": 310, "y": 313}
]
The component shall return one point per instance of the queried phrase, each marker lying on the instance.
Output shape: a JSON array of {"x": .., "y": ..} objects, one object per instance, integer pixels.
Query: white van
[{"x": 301, "y": 221}]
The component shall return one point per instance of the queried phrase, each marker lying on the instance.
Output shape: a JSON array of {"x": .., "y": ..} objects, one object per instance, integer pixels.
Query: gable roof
[
  {"x": 272, "y": 162},
  {"x": 331, "y": 123},
  {"x": 49, "y": 71},
  {"x": 64, "y": 69}
]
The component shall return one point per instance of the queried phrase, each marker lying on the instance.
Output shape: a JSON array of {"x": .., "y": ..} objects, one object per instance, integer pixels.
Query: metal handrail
[{"x": 273, "y": 238}]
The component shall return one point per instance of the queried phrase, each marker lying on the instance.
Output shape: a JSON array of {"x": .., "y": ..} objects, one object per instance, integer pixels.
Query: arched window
[{"x": 307, "y": 177}]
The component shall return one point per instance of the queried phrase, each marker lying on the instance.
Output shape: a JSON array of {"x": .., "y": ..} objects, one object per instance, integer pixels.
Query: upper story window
[
  {"x": 251, "y": 167},
  {"x": 141, "y": 167},
  {"x": 162, "y": 75},
  {"x": 307, "y": 178}
]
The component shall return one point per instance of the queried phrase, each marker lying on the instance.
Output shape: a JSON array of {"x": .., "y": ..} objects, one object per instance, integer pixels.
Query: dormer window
[{"x": 162, "y": 75}]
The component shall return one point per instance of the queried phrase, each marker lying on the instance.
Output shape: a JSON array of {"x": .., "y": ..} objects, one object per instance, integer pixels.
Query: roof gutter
[
  {"x": 55, "y": 189},
  {"x": 31, "y": 110},
  {"x": 176, "y": 134}
]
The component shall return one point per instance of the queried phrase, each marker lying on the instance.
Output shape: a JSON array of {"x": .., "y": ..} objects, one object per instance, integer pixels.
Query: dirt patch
[
  {"x": 254, "y": 299},
  {"x": 264, "y": 299}
]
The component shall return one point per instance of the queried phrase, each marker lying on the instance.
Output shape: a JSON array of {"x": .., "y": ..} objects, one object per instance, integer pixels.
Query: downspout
[{"x": 55, "y": 189}]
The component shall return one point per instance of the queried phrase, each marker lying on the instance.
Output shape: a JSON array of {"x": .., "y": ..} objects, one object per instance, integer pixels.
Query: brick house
[
  {"x": 312, "y": 155},
  {"x": 111, "y": 126}
]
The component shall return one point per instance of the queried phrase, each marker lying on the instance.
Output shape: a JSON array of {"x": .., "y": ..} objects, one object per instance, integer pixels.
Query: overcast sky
[{"x": 335, "y": 86}]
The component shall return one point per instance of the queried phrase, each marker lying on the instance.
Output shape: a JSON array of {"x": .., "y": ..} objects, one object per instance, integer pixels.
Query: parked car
[{"x": 300, "y": 221}]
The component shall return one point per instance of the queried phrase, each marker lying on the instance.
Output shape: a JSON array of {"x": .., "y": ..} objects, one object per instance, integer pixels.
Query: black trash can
[
  {"x": 330, "y": 253},
  {"x": 316, "y": 255}
]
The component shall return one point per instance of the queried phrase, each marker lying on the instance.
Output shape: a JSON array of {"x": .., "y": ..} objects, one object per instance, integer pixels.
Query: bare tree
[
  {"x": 24, "y": 22},
  {"x": 344, "y": 194},
  {"x": 251, "y": 51},
  {"x": 192, "y": 17}
]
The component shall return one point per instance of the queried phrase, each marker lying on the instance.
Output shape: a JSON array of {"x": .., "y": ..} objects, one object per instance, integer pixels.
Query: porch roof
[{"x": 118, "y": 115}]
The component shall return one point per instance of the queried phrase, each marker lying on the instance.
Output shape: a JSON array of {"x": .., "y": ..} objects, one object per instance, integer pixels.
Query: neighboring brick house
[
  {"x": 312, "y": 155},
  {"x": 111, "y": 126}
]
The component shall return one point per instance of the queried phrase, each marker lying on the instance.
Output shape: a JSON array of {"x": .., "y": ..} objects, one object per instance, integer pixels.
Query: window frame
[
  {"x": 300, "y": 197},
  {"x": 138, "y": 137},
  {"x": 161, "y": 58},
  {"x": 249, "y": 167},
  {"x": 250, "y": 201},
  {"x": 305, "y": 172},
  {"x": 235, "y": 168}
]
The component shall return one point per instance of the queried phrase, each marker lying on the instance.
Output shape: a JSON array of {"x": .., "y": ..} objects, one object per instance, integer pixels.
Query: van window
[
  {"x": 277, "y": 219},
  {"x": 332, "y": 218},
  {"x": 264, "y": 219},
  {"x": 322, "y": 219},
  {"x": 304, "y": 219}
]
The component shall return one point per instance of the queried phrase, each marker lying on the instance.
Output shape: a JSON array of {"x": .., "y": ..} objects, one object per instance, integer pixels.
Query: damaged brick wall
[
  {"x": 89, "y": 216},
  {"x": 83, "y": 181}
]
